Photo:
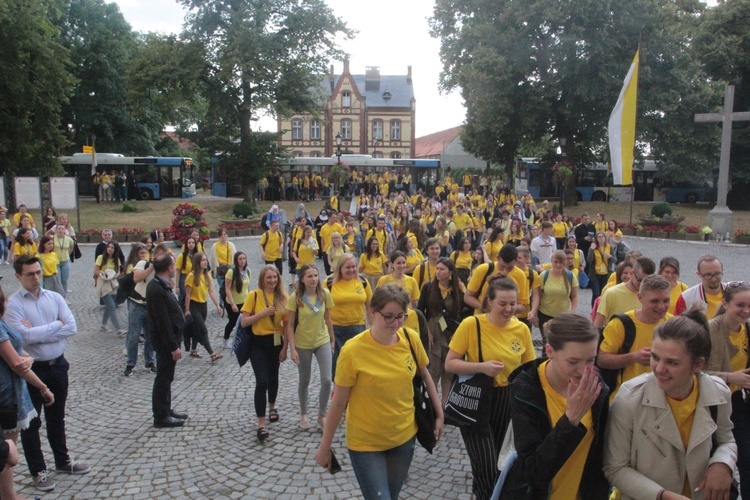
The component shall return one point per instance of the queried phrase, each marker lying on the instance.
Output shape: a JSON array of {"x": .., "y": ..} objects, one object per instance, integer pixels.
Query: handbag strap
[
  {"x": 479, "y": 340},
  {"x": 411, "y": 348}
]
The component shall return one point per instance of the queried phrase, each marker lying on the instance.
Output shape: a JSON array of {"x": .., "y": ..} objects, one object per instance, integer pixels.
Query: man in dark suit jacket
[
  {"x": 166, "y": 323},
  {"x": 584, "y": 235}
]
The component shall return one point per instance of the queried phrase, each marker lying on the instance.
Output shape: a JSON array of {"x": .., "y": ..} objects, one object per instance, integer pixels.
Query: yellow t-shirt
[
  {"x": 675, "y": 295},
  {"x": 600, "y": 263},
  {"x": 511, "y": 345},
  {"x": 305, "y": 253},
  {"x": 17, "y": 218},
  {"x": 407, "y": 283},
  {"x": 258, "y": 301},
  {"x": 311, "y": 331},
  {"x": 198, "y": 293},
  {"x": 238, "y": 298},
  {"x": 62, "y": 247},
  {"x": 326, "y": 230},
  {"x": 429, "y": 273},
  {"x": 601, "y": 227},
  {"x": 382, "y": 237},
  {"x": 350, "y": 241},
  {"x": 373, "y": 265},
  {"x": 224, "y": 254},
  {"x": 50, "y": 262},
  {"x": 684, "y": 413},
  {"x": 567, "y": 481},
  {"x": 271, "y": 243},
  {"x": 187, "y": 261},
  {"x": 559, "y": 229},
  {"x": 712, "y": 303},
  {"x": 618, "y": 299},
  {"x": 109, "y": 265},
  {"x": 381, "y": 394},
  {"x": 350, "y": 297},
  {"x": 516, "y": 275},
  {"x": 556, "y": 293},
  {"x": 29, "y": 249},
  {"x": 461, "y": 221},
  {"x": 534, "y": 282},
  {"x": 493, "y": 248},
  {"x": 335, "y": 255},
  {"x": 462, "y": 260},
  {"x": 614, "y": 337},
  {"x": 414, "y": 258},
  {"x": 612, "y": 280},
  {"x": 739, "y": 360}
]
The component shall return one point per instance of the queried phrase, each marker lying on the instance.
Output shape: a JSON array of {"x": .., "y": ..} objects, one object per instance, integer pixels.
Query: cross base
[{"x": 720, "y": 220}]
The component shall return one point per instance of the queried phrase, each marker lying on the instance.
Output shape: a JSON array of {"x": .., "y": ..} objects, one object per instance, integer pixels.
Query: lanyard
[
  {"x": 61, "y": 243},
  {"x": 265, "y": 299},
  {"x": 316, "y": 307}
]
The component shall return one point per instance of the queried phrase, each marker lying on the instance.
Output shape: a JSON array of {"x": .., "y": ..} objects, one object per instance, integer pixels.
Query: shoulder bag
[
  {"x": 469, "y": 397},
  {"x": 424, "y": 412}
]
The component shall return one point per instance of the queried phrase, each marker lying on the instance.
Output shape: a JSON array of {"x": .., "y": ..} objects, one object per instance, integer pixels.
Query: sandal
[
  {"x": 304, "y": 422},
  {"x": 216, "y": 356},
  {"x": 194, "y": 354},
  {"x": 262, "y": 434},
  {"x": 273, "y": 415}
]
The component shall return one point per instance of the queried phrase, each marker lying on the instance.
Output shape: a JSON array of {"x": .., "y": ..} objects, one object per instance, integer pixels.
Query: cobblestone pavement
[{"x": 216, "y": 455}]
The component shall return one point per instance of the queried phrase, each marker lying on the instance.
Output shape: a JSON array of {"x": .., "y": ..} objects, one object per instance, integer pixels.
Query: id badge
[
  {"x": 443, "y": 324},
  {"x": 276, "y": 339}
]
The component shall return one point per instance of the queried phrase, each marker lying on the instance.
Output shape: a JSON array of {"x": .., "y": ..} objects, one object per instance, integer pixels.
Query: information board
[
  {"x": 28, "y": 192},
  {"x": 63, "y": 193}
]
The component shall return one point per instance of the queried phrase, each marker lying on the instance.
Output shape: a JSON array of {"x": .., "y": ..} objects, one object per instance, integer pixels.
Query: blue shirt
[
  {"x": 51, "y": 320},
  {"x": 11, "y": 385}
]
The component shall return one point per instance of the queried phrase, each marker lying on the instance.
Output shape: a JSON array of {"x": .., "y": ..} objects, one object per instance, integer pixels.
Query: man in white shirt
[
  {"x": 45, "y": 322},
  {"x": 544, "y": 245}
]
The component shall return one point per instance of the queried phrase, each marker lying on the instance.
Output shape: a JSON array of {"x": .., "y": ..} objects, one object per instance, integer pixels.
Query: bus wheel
[
  {"x": 691, "y": 198},
  {"x": 146, "y": 194},
  {"x": 599, "y": 196}
]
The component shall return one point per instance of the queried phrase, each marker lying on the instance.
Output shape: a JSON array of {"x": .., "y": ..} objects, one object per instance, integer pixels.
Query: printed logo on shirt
[
  {"x": 359, "y": 290},
  {"x": 516, "y": 346},
  {"x": 410, "y": 364}
]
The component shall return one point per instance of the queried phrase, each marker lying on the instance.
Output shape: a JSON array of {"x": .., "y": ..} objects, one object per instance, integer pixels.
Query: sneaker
[
  {"x": 121, "y": 333},
  {"x": 151, "y": 367},
  {"x": 227, "y": 344},
  {"x": 43, "y": 482},
  {"x": 73, "y": 467},
  {"x": 103, "y": 328},
  {"x": 128, "y": 371},
  {"x": 304, "y": 423}
]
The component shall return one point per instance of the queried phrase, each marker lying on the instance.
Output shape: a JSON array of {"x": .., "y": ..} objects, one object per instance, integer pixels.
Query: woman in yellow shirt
[
  {"x": 236, "y": 288},
  {"x": 311, "y": 335},
  {"x": 24, "y": 244},
  {"x": 669, "y": 267},
  {"x": 264, "y": 311},
  {"x": 106, "y": 271},
  {"x": 462, "y": 258},
  {"x": 560, "y": 448},
  {"x": 335, "y": 250},
  {"x": 506, "y": 344},
  {"x": 559, "y": 231},
  {"x": 184, "y": 263},
  {"x": 306, "y": 248},
  {"x": 373, "y": 263},
  {"x": 352, "y": 295},
  {"x": 385, "y": 356},
  {"x": 198, "y": 288},
  {"x": 515, "y": 235},
  {"x": 413, "y": 256},
  {"x": 398, "y": 276},
  {"x": 50, "y": 262},
  {"x": 494, "y": 243},
  {"x": 600, "y": 259}
]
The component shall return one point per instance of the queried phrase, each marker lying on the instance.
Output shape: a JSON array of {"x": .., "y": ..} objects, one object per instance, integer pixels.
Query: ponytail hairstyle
[{"x": 691, "y": 329}]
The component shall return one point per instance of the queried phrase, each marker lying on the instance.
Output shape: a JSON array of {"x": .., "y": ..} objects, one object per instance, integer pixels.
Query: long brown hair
[
  {"x": 237, "y": 272},
  {"x": 279, "y": 291},
  {"x": 435, "y": 297},
  {"x": 301, "y": 289},
  {"x": 197, "y": 257}
]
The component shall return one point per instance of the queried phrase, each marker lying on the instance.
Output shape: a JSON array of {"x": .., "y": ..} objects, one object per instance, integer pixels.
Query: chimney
[
  {"x": 372, "y": 78},
  {"x": 332, "y": 79},
  {"x": 408, "y": 75},
  {"x": 332, "y": 70},
  {"x": 346, "y": 65}
]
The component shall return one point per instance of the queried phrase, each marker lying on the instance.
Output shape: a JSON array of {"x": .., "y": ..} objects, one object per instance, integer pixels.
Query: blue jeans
[
  {"x": 63, "y": 269},
  {"x": 110, "y": 311},
  {"x": 3, "y": 248},
  {"x": 342, "y": 334},
  {"x": 381, "y": 474},
  {"x": 741, "y": 420},
  {"x": 137, "y": 321}
]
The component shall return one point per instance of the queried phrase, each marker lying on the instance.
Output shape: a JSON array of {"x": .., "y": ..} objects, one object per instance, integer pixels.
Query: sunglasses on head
[{"x": 735, "y": 284}]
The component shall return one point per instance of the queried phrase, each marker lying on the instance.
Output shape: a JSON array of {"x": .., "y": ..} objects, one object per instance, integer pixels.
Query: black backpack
[{"x": 609, "y": 375}]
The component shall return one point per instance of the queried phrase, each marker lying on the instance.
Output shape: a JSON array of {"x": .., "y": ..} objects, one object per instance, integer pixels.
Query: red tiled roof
[
  {"x": 434, "y": 144},
  {"x": 183, "y": 142}
]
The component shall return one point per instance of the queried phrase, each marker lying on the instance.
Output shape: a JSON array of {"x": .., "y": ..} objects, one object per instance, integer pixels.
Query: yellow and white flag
[{"x": 622, "y": 128}]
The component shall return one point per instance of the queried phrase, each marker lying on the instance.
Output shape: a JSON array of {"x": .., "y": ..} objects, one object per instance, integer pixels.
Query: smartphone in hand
[{"x": 335, "y": 466}]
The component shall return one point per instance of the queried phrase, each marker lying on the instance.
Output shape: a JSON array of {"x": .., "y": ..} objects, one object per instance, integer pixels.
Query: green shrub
[
  {"x": 244, "y": 209},
  {"x": 129, "y": 206},
  {"x": 661, "y": 209}
]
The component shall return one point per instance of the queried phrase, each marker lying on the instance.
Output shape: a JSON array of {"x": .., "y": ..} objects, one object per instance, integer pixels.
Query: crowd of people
[{"x": 646, "y": 396}]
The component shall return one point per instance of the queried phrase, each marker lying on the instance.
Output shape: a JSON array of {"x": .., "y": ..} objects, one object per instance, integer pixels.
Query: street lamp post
[
  {"x": 339, "y": 140},
  {"x": 563, "y": 143}
]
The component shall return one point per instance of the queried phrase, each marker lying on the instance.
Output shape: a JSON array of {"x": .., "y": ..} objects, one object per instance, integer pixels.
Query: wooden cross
[{"x": 726, "y": 120}]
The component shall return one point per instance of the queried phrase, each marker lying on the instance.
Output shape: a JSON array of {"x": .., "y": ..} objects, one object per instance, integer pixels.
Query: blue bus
[{"x": 156, "y": 177}]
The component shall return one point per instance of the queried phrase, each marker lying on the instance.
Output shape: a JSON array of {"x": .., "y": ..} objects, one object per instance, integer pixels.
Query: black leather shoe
[
  {"x": 168, "y": 422},
  {"x": 181, "y": 416}
]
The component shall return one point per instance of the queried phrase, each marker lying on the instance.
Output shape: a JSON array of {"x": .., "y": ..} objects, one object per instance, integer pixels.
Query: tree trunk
[{"x": 249, "y": 193}]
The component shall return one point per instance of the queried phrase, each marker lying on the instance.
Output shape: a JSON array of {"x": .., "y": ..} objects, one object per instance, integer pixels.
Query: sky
[{"x": 391, "y": 34}]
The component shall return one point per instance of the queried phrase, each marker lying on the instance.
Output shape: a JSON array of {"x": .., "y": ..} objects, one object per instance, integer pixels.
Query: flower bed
[{"x": 187, "y": 218}]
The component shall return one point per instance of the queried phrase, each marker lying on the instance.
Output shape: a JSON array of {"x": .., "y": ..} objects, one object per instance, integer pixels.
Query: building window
[
  {"x": 315, "y": 130},
  {"x": 297, "y": 154},
  {"x": 395, "y": 154},
  {"x": 377, "y": 154},
  {"x": 346, "y": 129},
  {"x": 395, "y": 130},
  {"x": 296, "y": 130},
  {"x": 315, "y": 154},
  {"x": 377, "y": 129},
  {"x": 346, "y": 99}
]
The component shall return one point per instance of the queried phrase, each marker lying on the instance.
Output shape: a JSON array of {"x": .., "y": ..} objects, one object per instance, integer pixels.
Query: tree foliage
[
  {"x": 528, "y": 69},
  {"x": 34, "y": 84},
  {"x": 260, "y": 56}
]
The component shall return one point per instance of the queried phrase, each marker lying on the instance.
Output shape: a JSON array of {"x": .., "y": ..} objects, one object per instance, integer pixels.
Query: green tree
[
  {"x": 528, "y": 69},
  {"x": 259, "y": 56},
  {"x": 34, "y": 84},
  {"x": 101, "y": 44}
]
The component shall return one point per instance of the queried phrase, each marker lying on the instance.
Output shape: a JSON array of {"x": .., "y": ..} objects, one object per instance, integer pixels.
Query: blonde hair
[{"x": 279, "y": 291}]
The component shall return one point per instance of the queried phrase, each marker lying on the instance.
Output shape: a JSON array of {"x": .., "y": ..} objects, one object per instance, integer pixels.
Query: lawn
[{"x": 158, "y": 214}]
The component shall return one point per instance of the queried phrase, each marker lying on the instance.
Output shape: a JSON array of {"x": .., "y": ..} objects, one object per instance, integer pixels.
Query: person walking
[
  {"x": 600, "y": 262},
  {"x": 309, "y": 332},
  {"x": 237, "y": 286},
  {"x": 45, "y": 323},
  {"x": 198, "y": 288},
  {"x": 64, "y": 247},
  {"x": 166, "y": 324},
  {"x": 106, "y": 272},
  {"x": 264, "y": 311}
]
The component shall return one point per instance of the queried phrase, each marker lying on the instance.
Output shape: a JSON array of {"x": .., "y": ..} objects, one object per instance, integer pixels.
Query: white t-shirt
[{"x": 543, "y": 248}]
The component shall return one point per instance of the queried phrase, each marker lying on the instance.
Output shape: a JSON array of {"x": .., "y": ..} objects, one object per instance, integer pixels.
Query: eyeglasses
[
  {"x": 390, "y": 318},
  {"x": 31, "y": 274},
  {"x": 712, "y": 276},
  {"x": 735, "y": 284}
]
